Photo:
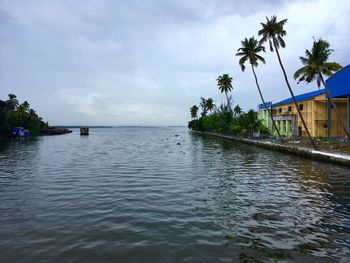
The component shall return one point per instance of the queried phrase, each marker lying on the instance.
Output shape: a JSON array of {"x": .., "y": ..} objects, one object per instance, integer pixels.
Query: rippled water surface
[{"x": 167, "y": 195}]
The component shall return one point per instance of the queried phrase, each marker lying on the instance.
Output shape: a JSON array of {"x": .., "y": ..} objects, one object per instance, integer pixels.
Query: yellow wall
[{"x": 315, "y": 115}]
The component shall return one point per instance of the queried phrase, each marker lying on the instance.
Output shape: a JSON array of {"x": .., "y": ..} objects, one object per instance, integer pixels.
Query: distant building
[{"x": 316, "y": 109}]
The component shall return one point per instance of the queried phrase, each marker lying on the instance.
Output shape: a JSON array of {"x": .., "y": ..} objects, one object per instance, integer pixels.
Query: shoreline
[{"x": 340, "y": 159}]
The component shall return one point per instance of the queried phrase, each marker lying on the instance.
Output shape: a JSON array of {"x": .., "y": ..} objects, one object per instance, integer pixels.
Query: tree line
[
  {"x": 16, "y": 114},
  {"x": 315, "y": 67}
]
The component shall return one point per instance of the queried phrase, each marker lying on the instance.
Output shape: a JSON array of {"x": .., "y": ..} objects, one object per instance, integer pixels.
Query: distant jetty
[{"x": 55, "y": 131}]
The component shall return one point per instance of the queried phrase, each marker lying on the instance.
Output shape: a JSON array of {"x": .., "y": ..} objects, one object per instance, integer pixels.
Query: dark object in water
[
  {"x": 84, "y": 130},
  {"x": 55, "y": 131}
]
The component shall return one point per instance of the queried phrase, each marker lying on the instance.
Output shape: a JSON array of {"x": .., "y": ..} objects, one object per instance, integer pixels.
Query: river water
[{"x": 167, "y": 195}]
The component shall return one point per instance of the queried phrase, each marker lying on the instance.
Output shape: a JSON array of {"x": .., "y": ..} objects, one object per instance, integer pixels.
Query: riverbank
[{"x": 341, "y": 159}]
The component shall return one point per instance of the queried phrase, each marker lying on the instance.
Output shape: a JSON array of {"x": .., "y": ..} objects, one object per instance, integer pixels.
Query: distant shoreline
[{"x": 119, "y": 126}]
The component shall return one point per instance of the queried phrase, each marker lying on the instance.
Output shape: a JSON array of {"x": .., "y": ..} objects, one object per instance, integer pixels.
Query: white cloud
[{"x": 146, "y": 62}]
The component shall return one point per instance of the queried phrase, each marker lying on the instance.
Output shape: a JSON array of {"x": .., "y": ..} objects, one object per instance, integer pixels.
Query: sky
[{"x": 114, "y": 62}]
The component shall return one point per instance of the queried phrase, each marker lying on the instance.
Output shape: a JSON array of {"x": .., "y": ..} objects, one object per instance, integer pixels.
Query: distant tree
[
  {"x": 273, "y": 32},
  {"x": 237, "y": 111},
  {"x": 25, "y": 106},
  {"x": 12, "y": 102},
  {"x": 203, "y": 105},
  {"x": 194, "y": 111},
  {"x": 315, "y": 66},
  {"x": 224, "y": 83},
  {"x": 210, "y": 104}
]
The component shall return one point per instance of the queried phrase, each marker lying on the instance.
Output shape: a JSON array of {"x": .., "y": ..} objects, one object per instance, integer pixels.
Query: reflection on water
[{"x": 167, "y": 195}]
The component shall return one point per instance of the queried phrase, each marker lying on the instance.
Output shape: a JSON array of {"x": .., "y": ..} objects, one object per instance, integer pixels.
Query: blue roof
[
  {"x": 339, "y": 83},
  {"x": 301, "y": 97}
]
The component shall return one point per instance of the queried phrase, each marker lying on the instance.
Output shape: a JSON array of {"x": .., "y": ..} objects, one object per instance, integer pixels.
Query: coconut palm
[
  {"x": 273, "y": 32},
  {"x": 194, "y": 111},
  {"x": 225, "y": 85},
  {"x": 315, "y": 66},
  {"x": 237, "y": 110},
  {"x": 249, "y": 52},
  {"x": 203, "y": 105},
  {"x": 210, "y": 104}
]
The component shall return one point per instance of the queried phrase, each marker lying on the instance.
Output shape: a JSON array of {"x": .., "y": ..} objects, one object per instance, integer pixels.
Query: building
[{"x": 316, "y": 109}]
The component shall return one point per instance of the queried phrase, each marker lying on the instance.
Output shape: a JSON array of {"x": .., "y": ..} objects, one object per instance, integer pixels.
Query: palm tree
[
  {"x": 249, "y": 52},
  {"x": 25, "y": 105},
  {"x": 274, "y": 32},
  {"x": 203, "y": 105},
  {"x": 315, "y": 65},
  {"x": 12, "y": 102},
  {"x": 194, "y": 111},
  {"x": 225, "y": 85},
  {"x": 237, "y": 110},
  {"x": 210, "y": 104}
]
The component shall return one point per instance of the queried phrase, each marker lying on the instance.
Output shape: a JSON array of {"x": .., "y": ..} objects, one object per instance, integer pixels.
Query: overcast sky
[{"x": 145, "y": 62}]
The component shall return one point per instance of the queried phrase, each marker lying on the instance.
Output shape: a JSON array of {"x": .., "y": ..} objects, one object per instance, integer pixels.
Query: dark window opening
[
  {"x": 289, "y": 108},
  {"x": 300, "y": 131},
  {"x": 301, "y": 106},
  {"x": 280, "y": 110}
]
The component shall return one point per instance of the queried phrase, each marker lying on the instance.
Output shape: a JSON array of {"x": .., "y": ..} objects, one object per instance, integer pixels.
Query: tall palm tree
[
  {"x": 194, "y": 111},
  {"x": 249, "y": 52},
  {"x": 274, "y": 32},
  {"x": 210, "y": 104},
  {"x": 225, "y": 85},
  {"x": 315, "y": 66}
]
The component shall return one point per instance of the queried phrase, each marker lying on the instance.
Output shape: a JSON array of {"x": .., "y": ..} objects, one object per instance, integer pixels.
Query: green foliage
[
  {"x": 224, "y": 83},
  {"x": 14, "y": 114},
  {"x": 316, "y": 63},
  {"x": 224, "y": 120},
  {"x": 250, "y": 52},
  {"x": 273, "y": 31}
]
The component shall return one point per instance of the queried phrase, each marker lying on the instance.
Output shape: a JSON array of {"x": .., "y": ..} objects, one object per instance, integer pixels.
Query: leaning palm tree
[
  {"x": 225, "y": 85},
  {"x": 274, "y": 32},
  {"x": 315, "y": 66},
  {"x": 249, "y": 52},
  {"x": 210, "y": 104},
  {"x": 194, "y": 111}
]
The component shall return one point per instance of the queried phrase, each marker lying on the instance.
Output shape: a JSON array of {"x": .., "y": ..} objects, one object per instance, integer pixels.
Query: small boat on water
[{"x": 84, "y": 130}]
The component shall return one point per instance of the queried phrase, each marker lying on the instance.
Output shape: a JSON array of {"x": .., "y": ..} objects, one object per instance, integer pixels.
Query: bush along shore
[
  {"x": 16, "y": 114},
  {"x": 226, "y": 119}
]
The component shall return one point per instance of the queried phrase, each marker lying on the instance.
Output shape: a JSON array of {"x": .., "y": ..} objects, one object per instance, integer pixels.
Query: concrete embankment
[{"x": 341, "y": 159}]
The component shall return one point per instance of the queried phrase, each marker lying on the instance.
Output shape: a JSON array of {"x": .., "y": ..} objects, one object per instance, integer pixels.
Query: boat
[{"x": 84, "y": 130}]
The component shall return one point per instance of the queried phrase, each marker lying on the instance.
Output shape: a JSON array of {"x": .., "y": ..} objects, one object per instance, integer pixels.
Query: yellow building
[
  {"x": 321, "y": 119},
  {"x": 315, "y": 108}
]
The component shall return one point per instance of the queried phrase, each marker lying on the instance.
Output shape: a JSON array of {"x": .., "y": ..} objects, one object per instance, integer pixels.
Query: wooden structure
[
  {"x": 319, "y": 116},
  {"x": 84, "y": 130}
]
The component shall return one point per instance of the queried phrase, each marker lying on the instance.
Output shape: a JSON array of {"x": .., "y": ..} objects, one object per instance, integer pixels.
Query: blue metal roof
[
  {"x": 339, "y": 83},
  {"x": 301, "y": 97}
]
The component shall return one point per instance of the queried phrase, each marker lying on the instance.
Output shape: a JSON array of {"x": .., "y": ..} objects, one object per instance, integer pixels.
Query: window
[
  {"x": 280, "y": 110},
  {"x": 301, "y": 106},
  {"x": 289, "y": 108}
]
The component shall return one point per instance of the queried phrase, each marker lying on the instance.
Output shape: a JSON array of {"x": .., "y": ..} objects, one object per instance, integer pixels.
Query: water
[{"x": 135, "y": 195}]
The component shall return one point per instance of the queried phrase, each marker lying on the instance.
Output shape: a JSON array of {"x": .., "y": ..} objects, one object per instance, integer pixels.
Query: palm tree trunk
[
  {"x": 293, "y": 97},
  {"x": 227, "y": 100},
  {"x": 335, "y": 107},
  {"x": 262, "y": 99}
]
